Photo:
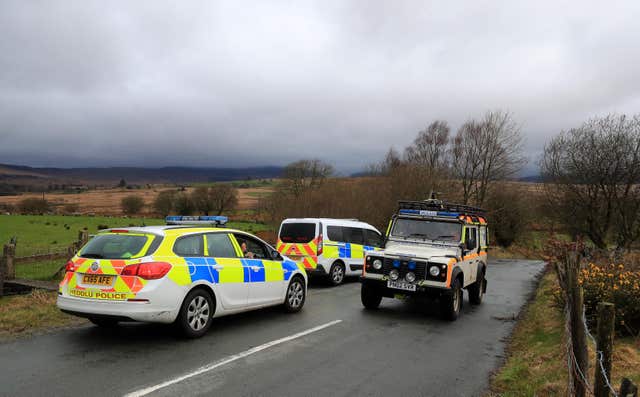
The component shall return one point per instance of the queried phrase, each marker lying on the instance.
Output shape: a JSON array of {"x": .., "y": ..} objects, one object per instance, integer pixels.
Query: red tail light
[
  {"x": 148, "y": 270},
  {"x": 70, "y": 267},
  {"x": 320, "y": 245}
]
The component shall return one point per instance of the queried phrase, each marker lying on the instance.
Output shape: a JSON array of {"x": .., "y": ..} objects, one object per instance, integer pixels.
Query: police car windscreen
[
  {"x": 115, "y": 246},
  {"x": 427, "y": 230},
  {"x": 299, "y": 233}
]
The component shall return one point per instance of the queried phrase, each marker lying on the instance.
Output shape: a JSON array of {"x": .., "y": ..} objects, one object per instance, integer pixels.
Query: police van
[{"x": 328, "y": 247}]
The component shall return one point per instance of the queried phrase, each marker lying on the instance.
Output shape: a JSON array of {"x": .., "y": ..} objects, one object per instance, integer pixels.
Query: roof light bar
[
  {"x": 196, "y": 220},
  {"x": 429, "y": 213}
]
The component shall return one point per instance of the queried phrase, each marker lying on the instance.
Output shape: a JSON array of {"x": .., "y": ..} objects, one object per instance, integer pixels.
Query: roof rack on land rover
[{"x": 433, "y": 205}]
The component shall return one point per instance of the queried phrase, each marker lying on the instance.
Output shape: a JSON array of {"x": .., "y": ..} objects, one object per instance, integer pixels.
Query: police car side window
[
  {"x": 189, "y": 246},
  {"x": 219, "y": 245},
  {"x": 472, "y": 237},
  {"x": 371, "y": 238},
  {"x": 254, "y": 247},
  {"x": 353, "y": 235},
  {"x": 334, "y": 233}
]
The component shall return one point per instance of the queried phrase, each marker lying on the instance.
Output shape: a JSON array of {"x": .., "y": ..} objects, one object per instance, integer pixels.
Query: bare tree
[
  {"x": 593, "y": 173},
  {"x": 304, "y": 174},
  {"x": 430, "y": 148},
  {"x": 485, "y": 152}
]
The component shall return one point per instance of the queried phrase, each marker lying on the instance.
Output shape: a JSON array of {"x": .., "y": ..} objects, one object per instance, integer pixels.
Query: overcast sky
[{"x": 219, "y": 83}]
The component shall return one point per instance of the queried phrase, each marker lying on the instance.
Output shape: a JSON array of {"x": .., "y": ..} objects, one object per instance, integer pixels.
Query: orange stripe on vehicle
[
  {"x": 308, "y": 249},
  {"x": 450, "y": 267}
]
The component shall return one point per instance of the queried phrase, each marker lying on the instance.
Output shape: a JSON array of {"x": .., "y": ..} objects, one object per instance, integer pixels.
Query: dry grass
[
  {"x": 108, "y": 201},
  {"x": 27, "y": 314}
]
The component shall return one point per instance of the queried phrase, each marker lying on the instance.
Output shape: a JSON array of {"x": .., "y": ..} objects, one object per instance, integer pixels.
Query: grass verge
[
  {"x": 22, "y": 315},
  {"x": 536, "y": 362}
]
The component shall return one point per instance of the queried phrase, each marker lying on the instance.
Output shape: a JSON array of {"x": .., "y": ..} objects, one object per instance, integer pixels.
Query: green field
[{"x": 42, "y": 233}]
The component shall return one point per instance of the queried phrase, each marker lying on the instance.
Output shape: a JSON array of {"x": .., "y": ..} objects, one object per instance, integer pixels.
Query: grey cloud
[{"x": 239, "y": 83}]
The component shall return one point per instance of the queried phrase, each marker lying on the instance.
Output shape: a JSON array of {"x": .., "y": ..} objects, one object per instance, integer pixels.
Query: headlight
[
  {"x": 410, "y": 277},
  {"x": 434, "y": 271},
  {"x": 377, "y": 264},
  {"x": 394, "y": 274}
]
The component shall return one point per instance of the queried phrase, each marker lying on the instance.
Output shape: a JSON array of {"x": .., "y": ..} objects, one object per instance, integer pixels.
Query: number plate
[
  {"x": 401, "y": 285},
  {"x": 97, "y": 279}
]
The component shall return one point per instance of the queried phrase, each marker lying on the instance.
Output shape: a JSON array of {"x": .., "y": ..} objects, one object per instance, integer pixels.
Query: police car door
[
  {"x": 266, "y": 275},
  {"x": 227, "y": 271}
]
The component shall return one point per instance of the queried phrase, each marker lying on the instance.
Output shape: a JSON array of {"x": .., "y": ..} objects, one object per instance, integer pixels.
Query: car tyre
[
  {"x": 451, "y": 302},
  {"x": 336, "y": 274},
  {"x": 295, "y": 296},
  {"x": 370, "y": 297},
  {"x": 196, "y": 312},
  {"x": 477, "y": 289},
  {"x": 103, "y": 322}
]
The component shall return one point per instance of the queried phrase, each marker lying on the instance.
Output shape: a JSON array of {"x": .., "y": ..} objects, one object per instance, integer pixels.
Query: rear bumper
[
  {"x": 132, "y": 311},
  {"x": 318, "y": 271}
]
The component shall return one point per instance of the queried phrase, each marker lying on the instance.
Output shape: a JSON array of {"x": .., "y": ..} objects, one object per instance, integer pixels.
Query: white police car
[{"x": 186, "y": 272}]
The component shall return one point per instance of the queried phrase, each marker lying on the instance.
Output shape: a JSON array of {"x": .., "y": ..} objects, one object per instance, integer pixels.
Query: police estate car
[
  {"x": 186, "y": 272},
  {"x": 433, "y": 249}
]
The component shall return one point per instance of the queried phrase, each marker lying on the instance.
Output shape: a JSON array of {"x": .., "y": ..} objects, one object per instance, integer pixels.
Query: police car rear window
[
  {"x": 300, "y": 233},
  {"x": 116, "y": 246}
]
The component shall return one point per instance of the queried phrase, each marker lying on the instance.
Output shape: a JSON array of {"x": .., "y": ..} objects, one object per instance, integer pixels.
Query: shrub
[
  {"x": 163, "y": 203},
  {"x": 183, "y": 204},
  {"x": 508, "y": 215},
  {"x": 70, "y": 208},
  {"x": 618, "y": 285},
  {"x": 33, "y": 206},
  {"x": 132, "y": 204}
]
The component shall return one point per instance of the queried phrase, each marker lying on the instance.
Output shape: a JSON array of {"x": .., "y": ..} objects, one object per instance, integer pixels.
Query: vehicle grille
[{"x": 403, "y": 267}]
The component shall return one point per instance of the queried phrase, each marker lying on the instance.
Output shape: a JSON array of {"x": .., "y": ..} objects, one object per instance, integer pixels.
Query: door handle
[
  {"x": 217, "y": 267},
  {"x": 255, "y": 268}
]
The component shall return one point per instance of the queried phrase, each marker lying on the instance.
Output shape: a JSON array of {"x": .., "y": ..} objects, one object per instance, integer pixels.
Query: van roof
[{"x": 332, "y": 222}]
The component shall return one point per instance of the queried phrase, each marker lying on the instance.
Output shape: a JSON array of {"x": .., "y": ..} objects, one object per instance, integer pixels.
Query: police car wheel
[
  {"x": 296, "y": 295},
  {"x": 196, "y": 312},
  {"x": 336, "y": 273},
  {"x": 450, "y": 303},
  {"x": 103, "y": 322},
  {"x": 476, "y": 290},
  {"x": 370, "y": 297}
]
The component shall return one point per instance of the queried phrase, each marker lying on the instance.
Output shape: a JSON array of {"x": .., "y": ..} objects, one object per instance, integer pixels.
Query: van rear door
[{"x": 299, "y": 241}]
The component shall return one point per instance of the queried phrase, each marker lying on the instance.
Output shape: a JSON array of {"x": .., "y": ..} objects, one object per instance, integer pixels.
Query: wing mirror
[{"x": 275, "y": 255}]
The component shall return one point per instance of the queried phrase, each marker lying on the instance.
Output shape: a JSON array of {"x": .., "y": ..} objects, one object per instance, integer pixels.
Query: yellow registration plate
[{"x": 97, "y": 279}]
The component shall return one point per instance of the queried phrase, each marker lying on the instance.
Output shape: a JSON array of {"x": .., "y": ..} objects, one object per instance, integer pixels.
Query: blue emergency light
[{"x": 196, "y": 220}]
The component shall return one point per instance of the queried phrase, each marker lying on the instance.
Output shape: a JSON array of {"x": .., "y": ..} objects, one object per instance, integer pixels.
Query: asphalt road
[{"x": 400, "y": 349}]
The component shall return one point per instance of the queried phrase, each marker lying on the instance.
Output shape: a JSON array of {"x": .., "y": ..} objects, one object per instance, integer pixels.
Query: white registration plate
[{"x": 401, "y": 285}]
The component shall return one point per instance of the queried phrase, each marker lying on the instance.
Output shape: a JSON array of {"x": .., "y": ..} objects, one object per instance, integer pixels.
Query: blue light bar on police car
[
  {"x": 429, "y": 213},
  {"x": 196, "y": 220}
]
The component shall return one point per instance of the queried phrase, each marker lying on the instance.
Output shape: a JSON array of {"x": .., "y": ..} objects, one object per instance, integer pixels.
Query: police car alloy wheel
[
  {"x": 337, "y": 273},
  {"x": 296, "y": 295},
  {"x": 195, "y": 314}
]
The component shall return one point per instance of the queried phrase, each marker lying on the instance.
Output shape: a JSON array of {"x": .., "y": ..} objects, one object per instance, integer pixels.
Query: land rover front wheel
[
  {"x": 451, "y": 302},
  {"x": 370, "y": 297}
]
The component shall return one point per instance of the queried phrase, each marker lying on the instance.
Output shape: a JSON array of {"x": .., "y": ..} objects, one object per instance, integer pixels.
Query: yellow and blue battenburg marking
[{"x": 240, "y": 271}]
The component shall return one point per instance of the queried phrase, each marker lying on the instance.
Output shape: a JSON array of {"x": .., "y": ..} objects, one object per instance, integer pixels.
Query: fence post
[
  {"x": 628, "y": 389},
  {"x": 578, "y": 332},
  {"x": 604, "y": 344},
  {"x": 2, "y": 270},
  {"x": 8, "y": 255},
  {"x": 83, "y": 237}
]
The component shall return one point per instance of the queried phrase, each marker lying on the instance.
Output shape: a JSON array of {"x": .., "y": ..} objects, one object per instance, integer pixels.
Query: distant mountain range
[{"x": 137, "y": 175}]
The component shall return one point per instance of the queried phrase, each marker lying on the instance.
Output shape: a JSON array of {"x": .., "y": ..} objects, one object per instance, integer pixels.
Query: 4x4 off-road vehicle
[{"x": 433, "y": 249}]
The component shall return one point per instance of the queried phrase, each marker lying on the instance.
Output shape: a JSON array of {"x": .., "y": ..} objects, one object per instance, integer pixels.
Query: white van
[{"x": 329, "y": 247}]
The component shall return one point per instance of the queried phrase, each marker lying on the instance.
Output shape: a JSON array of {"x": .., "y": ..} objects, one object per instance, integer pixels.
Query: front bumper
[{"x": 380, "y": 285}]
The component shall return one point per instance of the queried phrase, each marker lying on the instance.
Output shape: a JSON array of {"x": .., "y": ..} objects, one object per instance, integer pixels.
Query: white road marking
[{"x": 225, "y": 361}]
